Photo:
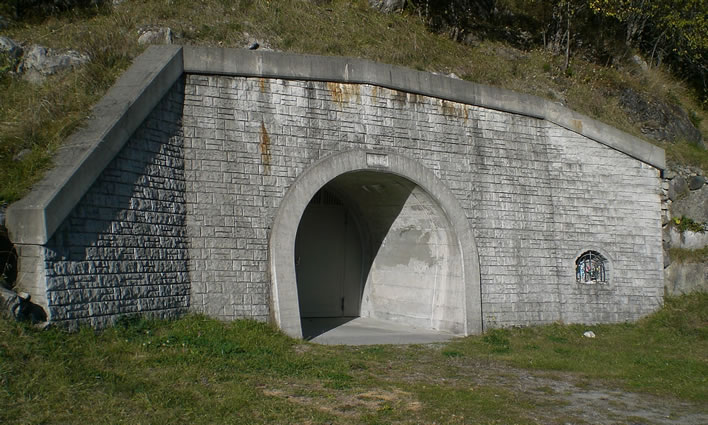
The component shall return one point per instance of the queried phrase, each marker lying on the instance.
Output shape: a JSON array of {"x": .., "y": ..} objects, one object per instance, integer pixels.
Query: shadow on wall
[
  {"x": 374, "y": 244},
  {"x": 339, "y": 236},
  {"x": 123, "y": 248}
]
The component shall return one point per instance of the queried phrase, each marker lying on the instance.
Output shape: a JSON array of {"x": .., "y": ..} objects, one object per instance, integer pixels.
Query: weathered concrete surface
[
  {"x": 417, "y": 276},
  {"x": 213, "y": 205},
  {"x": 368, "y": 331},
  {"x": 204, "y": 60}
]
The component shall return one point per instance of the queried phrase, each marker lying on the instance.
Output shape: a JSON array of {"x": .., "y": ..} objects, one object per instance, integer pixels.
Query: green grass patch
[
  {"x": 665, "y": 353},
  {"x": 684, "y": 224},
  {"x": 688, "y": 154},
  {"x": 200, "y": 370},
  {"x": 683, "y": 255}
]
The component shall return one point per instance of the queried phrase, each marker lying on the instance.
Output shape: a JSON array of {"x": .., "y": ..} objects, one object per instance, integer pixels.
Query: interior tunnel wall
[
  {"x": 412, "y": 270},
  {"x": 416, "y": 275}
]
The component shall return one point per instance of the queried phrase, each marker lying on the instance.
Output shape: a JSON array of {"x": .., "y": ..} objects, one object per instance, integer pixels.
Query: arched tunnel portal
[{"x": 373, "y": 242}]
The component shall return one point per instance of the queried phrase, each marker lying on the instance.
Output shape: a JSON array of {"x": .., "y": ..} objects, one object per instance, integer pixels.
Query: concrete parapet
[
  {"x": 80, "y": 160},
  {"x": 289, "y": 66}
]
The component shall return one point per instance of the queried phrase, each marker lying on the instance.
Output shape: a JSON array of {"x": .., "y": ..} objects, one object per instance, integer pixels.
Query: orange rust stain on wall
[
  {"x": 374, "y": 91},
  {"x": 454, "y": 110},
  {"x": 262, "y": 84},
  {"x": 578, "y": 125},
  {"x": 343, "y": 93},
  {"x": 449, "y": 109},
  {"x": 414, "y": 98},
  {"x": 399, "y": 97},
  {"x": 264, "y": 147}
]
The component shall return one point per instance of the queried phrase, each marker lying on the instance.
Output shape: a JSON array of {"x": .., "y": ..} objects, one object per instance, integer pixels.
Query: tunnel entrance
[
  {"x": 373, "y": 236},
  {"x": 328, "y": 259},
  {"x": 376, "y": 245}
]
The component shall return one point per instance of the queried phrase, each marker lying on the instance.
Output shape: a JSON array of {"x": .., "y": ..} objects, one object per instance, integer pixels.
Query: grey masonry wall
[
  {"x": 123, "y": 249},
  {"x": 537, "y": 195},
  {"x": 166, "y": 202}
]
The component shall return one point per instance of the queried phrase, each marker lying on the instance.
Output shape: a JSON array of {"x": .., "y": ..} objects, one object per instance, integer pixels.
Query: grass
[
  {"x": 664, "y": 354},
  {"x": 683, "y": 255},
  {"x": 199, "y": 370},
  {"x": 688, "y": 154},
  {"x": 35, "y": 119}
]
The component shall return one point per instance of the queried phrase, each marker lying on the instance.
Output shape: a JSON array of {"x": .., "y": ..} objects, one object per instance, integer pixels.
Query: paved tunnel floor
[{"x": 367, "y": 331}]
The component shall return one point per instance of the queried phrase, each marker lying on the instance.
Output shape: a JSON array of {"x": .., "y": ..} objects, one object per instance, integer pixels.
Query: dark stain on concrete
[{"x": 264, "y": 147}]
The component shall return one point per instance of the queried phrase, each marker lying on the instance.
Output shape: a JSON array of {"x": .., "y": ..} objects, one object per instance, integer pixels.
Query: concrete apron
[{"x": 367, "y": 331}]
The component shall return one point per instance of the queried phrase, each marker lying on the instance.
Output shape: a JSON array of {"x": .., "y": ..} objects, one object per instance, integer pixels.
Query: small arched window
[{"x": 591, "y": 268}]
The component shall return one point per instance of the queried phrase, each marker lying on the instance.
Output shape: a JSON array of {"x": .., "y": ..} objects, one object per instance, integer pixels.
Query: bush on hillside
[{"x": 24, "y": 9}]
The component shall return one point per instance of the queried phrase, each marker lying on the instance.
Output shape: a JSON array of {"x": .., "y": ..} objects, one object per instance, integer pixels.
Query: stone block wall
[
  {"x": 536, "y": 195},
  {"x": 123, "y": 249}
]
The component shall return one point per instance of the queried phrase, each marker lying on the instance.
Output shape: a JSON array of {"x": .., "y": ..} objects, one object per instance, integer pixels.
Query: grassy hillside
[{"x": 34, "y": 119}]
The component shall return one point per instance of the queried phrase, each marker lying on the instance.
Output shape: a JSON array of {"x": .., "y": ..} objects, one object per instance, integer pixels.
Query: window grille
[{"x": 591, "y": 268}]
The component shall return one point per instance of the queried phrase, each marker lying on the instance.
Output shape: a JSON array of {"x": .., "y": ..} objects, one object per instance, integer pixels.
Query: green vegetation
[
  {"x": 199, "y": 370},
  {"x": 35, "y": 119},
  {"x": 684, "y": 224},
  {"x": 688, "y": 154},
  {"x": 683, "y": 255},
  {"x": 666, "y": 353}
]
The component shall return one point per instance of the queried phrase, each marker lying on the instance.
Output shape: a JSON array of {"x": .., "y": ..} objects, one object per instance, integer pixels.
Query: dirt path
[
  {"x": 553, "y": 398},
  {"x": 583, "y": 401}
]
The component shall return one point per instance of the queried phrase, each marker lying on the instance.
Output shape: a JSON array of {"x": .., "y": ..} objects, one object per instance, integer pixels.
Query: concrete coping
[
  {"x": 87, "y": 152},
  {"x": 290, "y": 66},
  {"x": 81, "y": 159}
]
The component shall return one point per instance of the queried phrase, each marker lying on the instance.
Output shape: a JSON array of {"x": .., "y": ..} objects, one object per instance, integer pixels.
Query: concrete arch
[{"x": 284, "y": 294}]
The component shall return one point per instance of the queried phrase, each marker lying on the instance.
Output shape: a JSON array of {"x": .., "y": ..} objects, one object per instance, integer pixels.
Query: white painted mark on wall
[{"x": 376, "y": 160}]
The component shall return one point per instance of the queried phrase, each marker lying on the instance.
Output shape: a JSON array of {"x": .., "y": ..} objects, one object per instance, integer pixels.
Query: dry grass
[{"x": 37, "y": 119}]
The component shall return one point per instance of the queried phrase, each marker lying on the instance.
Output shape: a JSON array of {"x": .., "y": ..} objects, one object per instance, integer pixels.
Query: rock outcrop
[
  {"x": 40, "y": 62},
  {"x": 162, "y": 35},
  {"x": 387, "y": 6},
  {"x": 686, "y": 196},
  {"x": 10, "y": 47},
  {"x": 659, "y": 120}
]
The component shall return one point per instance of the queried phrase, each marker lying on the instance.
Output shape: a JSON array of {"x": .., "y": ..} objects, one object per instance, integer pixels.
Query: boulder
[
  {"x": 659, "y": 120},
  {"x": 387, "y": 6},
  {"x": 694, "y": 205},
  {"x": 696, "y": 182},
  {"x": 161, "y": 35},
  {"x": 18, "y": 307},
  {"x": 677, "y": 188},
  {"x": 688, "y": 239},
  {"x": 41, "y": 62},
  {"x": 640, "y": 62},
  {"x": 10, "y": 47},
  {"x": 684, "y": 278}
]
